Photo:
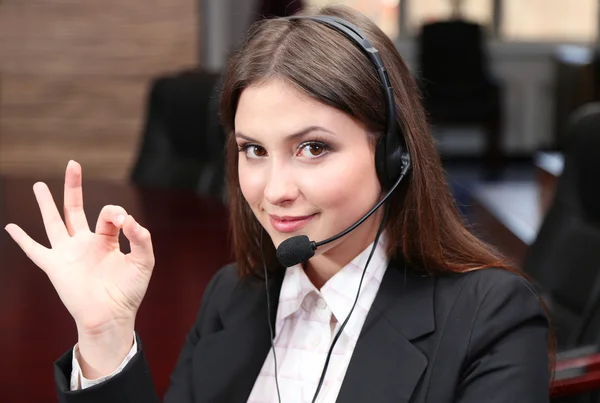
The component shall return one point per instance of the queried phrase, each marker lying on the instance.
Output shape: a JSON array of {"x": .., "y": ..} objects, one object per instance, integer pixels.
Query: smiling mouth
[{"x": 288, "y": 223}]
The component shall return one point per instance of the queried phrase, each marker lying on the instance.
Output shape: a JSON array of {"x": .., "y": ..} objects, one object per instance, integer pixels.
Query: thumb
[{"x": 140, "y": 242}]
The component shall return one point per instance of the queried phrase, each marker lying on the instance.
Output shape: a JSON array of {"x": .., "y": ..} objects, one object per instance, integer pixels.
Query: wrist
[{"x": 100, "y": 353}]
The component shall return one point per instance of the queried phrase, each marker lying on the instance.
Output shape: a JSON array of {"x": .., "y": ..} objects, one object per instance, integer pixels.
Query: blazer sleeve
[
  {"x": 134, "y": 384},
  {"x": 507, "y": 360}
]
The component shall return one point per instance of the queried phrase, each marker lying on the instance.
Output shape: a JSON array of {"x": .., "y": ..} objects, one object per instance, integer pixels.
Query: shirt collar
[{"x": 340, "y": 291}]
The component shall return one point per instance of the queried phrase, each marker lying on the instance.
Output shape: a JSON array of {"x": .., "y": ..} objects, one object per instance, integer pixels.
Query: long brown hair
[{"x": 424, "y": 225}]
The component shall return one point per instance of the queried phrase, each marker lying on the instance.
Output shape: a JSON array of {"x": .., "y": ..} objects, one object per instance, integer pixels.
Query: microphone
[
  {"x": 295, "y": 250},
  {"x": 300, "y": 248}
]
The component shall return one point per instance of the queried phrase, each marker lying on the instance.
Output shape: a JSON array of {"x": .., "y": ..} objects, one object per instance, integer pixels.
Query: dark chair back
[
  {"x": 457, "y": 86},
  {"x": 182, "y": 146},
  {"x": 565, "y": 257},
  {"x": 453, "y": 63}
]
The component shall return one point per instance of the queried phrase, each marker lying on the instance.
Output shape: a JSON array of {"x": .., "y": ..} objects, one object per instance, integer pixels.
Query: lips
[{"x": 289, "y": 223}]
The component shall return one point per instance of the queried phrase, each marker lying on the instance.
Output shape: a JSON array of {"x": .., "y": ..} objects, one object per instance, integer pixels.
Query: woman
[{"x": 438, "y": 318}]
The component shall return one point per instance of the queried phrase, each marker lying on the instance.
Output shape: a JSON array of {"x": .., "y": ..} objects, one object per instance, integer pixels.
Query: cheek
[
  {"x": 251, "y": 184},
  {"x": 345, "y": 185}
]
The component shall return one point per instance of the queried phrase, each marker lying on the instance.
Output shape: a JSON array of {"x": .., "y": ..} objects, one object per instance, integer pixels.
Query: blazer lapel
[
  {"x": 386, "y": 366},
  {"x": 236, "y": 353}
]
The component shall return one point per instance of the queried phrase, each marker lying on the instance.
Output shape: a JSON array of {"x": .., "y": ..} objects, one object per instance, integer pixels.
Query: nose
[{"x": 281, "y": 187}]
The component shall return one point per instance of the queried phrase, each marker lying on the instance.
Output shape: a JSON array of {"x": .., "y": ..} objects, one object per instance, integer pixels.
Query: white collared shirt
[{"x": 307, "y": 321}]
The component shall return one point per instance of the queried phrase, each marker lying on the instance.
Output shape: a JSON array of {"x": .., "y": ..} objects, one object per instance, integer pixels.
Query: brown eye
[
  {"x": 316, "y": 149},
  {"x": 313, "y": 150},
  {"x": 258, "y": 151},
  {"x": 252, "y": 151}
]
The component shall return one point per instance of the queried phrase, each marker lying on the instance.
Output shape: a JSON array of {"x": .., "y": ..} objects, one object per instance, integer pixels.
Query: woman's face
[{"x": 305, "y": 168}]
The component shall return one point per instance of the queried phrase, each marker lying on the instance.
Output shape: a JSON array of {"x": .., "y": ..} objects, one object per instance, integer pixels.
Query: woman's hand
[{"x": 101, "y": 287}]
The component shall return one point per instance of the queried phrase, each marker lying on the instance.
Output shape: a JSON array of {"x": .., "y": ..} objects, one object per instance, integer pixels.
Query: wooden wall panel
[
  {"x": 42, "y": 147},
  {"x": 77, "y": 97},
  {"x": 97, "y": 37},
  {"x": 74, "y": 77}
]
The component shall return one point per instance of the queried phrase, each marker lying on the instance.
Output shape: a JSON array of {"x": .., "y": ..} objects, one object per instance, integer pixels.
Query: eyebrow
[{"x": 293, "y": 136}]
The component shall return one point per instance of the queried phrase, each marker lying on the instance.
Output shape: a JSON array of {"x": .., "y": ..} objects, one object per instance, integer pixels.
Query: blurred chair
[
  {"x": 279, "y": 8},
  {"x": 573, "y": 300},
  {"x": 577, "y": 376},
  {"x": 182, "y": 145},
  {"x": 574, "y": 86},
  {"x": 565, "y": 256},
  {"x": 578, "y": 361},
  {"x": 457, "y": 86}
]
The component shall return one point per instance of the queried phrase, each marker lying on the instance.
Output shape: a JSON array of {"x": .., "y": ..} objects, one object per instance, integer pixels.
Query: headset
[
  {"x": 392, "y": 159},
  {"x": 392, "y": 162}
]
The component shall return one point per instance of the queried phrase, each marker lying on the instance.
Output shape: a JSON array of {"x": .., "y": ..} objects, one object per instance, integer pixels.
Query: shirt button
[{"x": 321, "y": 304}]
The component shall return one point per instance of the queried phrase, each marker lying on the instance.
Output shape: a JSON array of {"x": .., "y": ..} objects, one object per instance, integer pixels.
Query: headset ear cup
[
  {"x": 391, "y": 158},
  {"x": 381, "y": 164}
]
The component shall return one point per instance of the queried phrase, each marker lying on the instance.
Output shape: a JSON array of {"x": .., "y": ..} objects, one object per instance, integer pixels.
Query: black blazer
[{"x": 475, "y": 337}]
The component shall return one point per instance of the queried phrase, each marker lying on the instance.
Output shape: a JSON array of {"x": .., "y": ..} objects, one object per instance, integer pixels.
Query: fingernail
[{"x": 120, "y": 219}]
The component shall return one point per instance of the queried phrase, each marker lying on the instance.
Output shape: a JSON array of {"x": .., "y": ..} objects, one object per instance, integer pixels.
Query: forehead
[{"x": 280, "y": 107}]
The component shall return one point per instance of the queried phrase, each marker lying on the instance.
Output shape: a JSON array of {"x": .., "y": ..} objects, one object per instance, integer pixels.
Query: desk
[
  {"x": 190, "y": 238},
  {"x": 548, "y": 168},
  {"x": 509, "y": 214}
]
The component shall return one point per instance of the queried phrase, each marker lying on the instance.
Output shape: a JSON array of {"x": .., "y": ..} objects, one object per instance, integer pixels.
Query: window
[
  {"x": 522, "y": 20},
  {"x": 424, "y": 11},
  {"x": 383, "y": 12},
  {"x": 549, "y": 20}
]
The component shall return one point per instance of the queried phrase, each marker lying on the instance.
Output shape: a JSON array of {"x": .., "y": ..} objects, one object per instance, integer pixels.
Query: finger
[
  {"x": 55, "y": 227},
  {"x": 32, "y": 249},
  {"x": 110, "y": 220},
  {"x": 140, "y": 242},
  {"x": 73, "y": 200}
]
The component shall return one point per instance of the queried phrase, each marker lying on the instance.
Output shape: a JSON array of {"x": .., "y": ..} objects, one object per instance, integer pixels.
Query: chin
[
  {"x": 277, "y": 240},
  {"x": 278, "y": 237}
]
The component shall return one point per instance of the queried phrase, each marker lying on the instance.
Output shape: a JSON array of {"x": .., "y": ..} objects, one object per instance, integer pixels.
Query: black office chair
[
  {"x": 573, "y": 300},
  {"x": 182, "y": 146},
  {"x": 457, "y": 86},
  {"x": 565, "y": 257},
  {"x": 578, "y": 364}
]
